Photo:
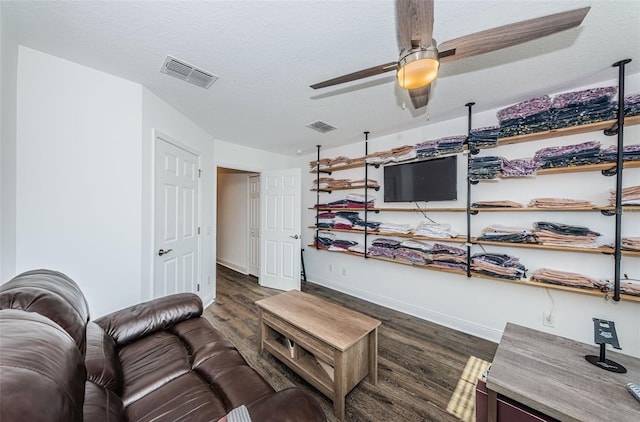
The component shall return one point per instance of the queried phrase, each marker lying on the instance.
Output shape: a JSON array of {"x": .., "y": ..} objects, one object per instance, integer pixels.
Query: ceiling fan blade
[
  {"x": 508, "y": 35},
  {"x": 420, "y": 96},
  {"x": 360, "y": 74},
  {"x": 415, "y": 22}
]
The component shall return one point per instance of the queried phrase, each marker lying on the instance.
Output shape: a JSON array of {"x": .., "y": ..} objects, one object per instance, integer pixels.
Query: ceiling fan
[{"x": 420, "y": 56}]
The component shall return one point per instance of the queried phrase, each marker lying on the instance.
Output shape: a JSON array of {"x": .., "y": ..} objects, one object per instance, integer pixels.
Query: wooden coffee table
[{"x": 331, "y": 347}]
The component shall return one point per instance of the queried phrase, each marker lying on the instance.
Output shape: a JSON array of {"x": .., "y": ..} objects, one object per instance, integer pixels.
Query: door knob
[
  {"x": 295, "y": 236},
  {"x": 162, "y": 251}
]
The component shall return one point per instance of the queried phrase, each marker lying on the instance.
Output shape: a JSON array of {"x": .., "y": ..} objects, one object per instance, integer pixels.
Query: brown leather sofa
[{"x": 156, "y": 361}]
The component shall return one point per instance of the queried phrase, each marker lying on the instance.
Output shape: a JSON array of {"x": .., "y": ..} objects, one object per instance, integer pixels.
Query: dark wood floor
[{"x": 419, "y": 362}]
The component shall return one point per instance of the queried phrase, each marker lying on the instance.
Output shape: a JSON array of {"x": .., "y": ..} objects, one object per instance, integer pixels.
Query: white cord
[{"x": 553, "y": 305}]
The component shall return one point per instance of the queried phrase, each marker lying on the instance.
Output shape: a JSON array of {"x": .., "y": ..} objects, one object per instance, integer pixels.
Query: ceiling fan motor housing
[{"x": 417, "y": 67}]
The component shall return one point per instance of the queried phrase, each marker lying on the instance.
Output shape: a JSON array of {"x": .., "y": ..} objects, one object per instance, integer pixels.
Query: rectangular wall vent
[
  {"x": 187, "y": 72},
  {"x": 321, "y": 126}
]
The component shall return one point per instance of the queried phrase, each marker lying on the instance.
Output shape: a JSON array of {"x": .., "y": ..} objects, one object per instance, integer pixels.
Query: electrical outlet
[{"x": 548, "y": 319}]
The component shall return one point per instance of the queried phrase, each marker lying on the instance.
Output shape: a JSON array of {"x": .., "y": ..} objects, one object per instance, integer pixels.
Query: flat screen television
[{"x": 428, "y": 180}]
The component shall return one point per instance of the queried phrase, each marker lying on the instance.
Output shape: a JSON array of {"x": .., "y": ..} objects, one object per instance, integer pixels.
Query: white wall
[
  {"x": 232, "y": 229},
  {"x": 480, "y": 306},
  {"x": 159, "y": 117},
  {"x": 8, "y": 71},
  {"x": 78, "y": 177}
]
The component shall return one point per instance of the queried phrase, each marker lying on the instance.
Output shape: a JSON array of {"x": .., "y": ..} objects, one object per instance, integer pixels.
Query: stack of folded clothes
[
  {"x": 360, "y": 183},
  {"x": 497, "y": 204},
  {"x": 559, "y": 203},
  {"x": 358, "y": 200},
  {"x": 406, "y": 152},
  {"x": 498, "y": 265},
  {"x": 416, "y": 244},
  {"x": 320, "y": 164},
  {"x": 564, "y": 235},
  {"x": 519, "y": 167},
  {"x": 631, "y": 243},
  {"x": 563, "y": 278},
  {"x": 323, "y": 240},
  {"x": 325, "y": 220},
  {"x": 484, "y": 137},
  {"x": 500, "y": 233},
  {"x": 485, "y": 168},
  {"x": 629, "y": 153},
  {"x": 345, "y": 220},
  {"x": 412, "y": 256},
  {"x": 630, "y": 287},
  {"x": 448, "y": 257},
  {"x": 632, "y": 104},
  {"x": 382, "y": 157},
  {"x": 583, "y": 107},
  {"x": 434, "y": 230},
  {"x": 340, "y": 203},
  {"x": 630, "y": 196},
  {"x": 443, "y": 146},
  {"x": 569, "y": 155},
  {"x": 529, "y": 116},
  {"x": 341, "y": 245},
  {"x": 372, "y": 226},
  {"x": 395, "y": 228},
  {"x": 383, "y": 247},
  {"x": 331, "y": 183}
]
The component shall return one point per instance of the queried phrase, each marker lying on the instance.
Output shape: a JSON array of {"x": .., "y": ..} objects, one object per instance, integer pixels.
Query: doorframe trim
[{"x": 157, "y": 134}]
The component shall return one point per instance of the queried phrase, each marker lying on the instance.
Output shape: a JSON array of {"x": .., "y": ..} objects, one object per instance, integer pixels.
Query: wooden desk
[
  {"x": 550, "y": 374},
  {"x": 333, "y": 348}
]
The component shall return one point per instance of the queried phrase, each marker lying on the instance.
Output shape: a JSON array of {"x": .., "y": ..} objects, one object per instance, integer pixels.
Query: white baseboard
[
  {"x": 232, "y": 266},
  {"x": 458, "y": 324}
]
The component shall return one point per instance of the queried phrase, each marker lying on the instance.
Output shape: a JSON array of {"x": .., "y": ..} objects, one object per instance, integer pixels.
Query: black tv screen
[{"x": 429, "y": 180}]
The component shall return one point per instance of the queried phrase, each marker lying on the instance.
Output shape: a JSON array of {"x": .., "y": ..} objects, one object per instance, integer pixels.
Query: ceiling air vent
[
  {"x": 321, "y": 126},
  {"x": 187, "y": 72}
]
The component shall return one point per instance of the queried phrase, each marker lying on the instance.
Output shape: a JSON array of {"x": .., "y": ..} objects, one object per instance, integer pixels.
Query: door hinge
[
  {"x": 198, "y": 230},
  {"x": 199, "y": 172},
  {"x": 198, "y": 287}
]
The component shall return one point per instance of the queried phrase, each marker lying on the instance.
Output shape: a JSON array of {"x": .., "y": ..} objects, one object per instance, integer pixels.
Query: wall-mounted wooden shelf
[{"x": 601, "y": 250}]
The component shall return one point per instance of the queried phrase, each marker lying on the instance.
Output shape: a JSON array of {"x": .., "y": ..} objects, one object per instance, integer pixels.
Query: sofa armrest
[
  {"x": 129, "y": 324},
  {"x": 290, "y": 405}
]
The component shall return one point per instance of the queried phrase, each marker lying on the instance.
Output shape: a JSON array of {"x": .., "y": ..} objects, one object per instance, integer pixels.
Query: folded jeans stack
[
  {"x": 529, "y": 116},
  {"x": 341, "y": 245},
  {"x": 358, "y": 200},
  {"x": 631, "y": 243},
  {"x": 437, "y": 147},
  {"x": 583, "y": 107},
  {"x": 569, "y": 155},
  {"x": 383, "y": 247},
  {"x": 629, "y": 153},
  {"x": 519, "y": 167},
  {"x": 563, "y": 278},
  {"x": 555, "y": 234},
  {"x": 325, "y": 220},
  {"x": 632, "y": 104},
  {"x": 484, "y": 137},
  {"x": 498, "y": 265},
  {"x": 323, "y": 240},
  {"x": 416, "y": 245},
  {"x": 485, "y": 168},
  {"x": 500, "y": 233}
]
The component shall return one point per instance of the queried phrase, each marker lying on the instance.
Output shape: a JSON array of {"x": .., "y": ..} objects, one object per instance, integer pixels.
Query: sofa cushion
[
  {"x": 150, "y": 363},
  {"x": 101, "y": 359},
  {"x": 201, "y": 338},
  {"x": 42, "y": 374},
  {"x": 240, "y": 385},
  {"x": 186, "y": 398},
  {"x": 102, "y": 404},
  {"x": 51, "y": 294}
]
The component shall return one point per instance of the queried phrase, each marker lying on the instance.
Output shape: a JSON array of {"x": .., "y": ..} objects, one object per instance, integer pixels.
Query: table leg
[
  {"x": 492, "y": 406},
  {"x": 261, "y": 332},
  {"x": 373, "y": 357},
  {"x": 339, "y": 385}
]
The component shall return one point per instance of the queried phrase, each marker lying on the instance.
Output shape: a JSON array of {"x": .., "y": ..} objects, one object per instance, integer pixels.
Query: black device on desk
[{"x": 605, "y": 333}]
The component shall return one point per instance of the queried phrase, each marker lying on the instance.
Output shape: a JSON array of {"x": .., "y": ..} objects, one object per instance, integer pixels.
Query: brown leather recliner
[{"x": 156, "y": 361}]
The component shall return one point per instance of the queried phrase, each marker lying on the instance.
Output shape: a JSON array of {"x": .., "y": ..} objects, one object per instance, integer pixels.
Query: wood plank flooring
[{"x": 419, "y": 362}]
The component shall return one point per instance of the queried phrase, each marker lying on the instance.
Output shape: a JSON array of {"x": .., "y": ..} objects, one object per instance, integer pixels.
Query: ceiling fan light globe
[{"x": 418, "y": 68}]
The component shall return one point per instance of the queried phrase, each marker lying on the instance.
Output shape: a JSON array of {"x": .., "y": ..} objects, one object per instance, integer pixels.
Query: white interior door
[
  {"x": 280, "y": 200},
  {"x": 176, "y": 220},
  {"x": 254, "y": 225}
]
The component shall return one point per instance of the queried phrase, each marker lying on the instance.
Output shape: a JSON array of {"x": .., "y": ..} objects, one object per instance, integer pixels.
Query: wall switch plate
[{"x": 548, "y": 319}]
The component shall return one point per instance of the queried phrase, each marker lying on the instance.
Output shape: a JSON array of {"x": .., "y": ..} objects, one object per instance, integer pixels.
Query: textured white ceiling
[{"x": 267, "y": 53}]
